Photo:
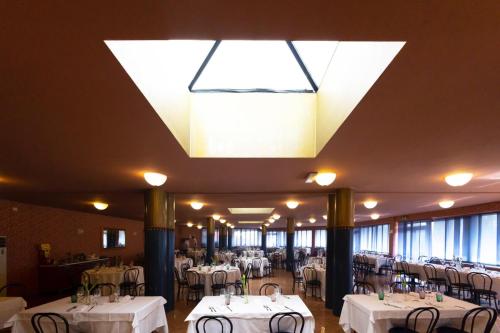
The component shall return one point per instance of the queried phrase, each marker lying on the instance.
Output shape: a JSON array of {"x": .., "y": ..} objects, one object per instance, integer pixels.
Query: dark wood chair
[
  {"x": 481, "y": 285},
  {"x": 311, "y": 281},
  {"x": 432, "y": 276},
  {"x": 49, "y": 319},
  {"x": 214, "y": 324},
  {"x": 181, "y": 282},
  {"x": 219, "y": 279},
  {"x": 297, "y": 279},
  {"x": 456, "y": 284},
  {"x": 413, "y": 317},
  {"x": 194, "y": 285},
  {"x": 14, "y": 289},
  {"x": 269, "y": 286},
  {"x": 286, "y": 322},
  {"x": 412, "y": 278},
  {"x": 129, "y": 283},
  {"x": 469, "y": 322},
  {"x": 140, "y": 289}
]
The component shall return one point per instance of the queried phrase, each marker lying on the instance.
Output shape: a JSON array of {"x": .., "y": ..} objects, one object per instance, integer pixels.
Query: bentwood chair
[
  {"x": 268, "y": 268},
  {"x": 42, "y": 320},
  {"x": 486, "y": 319},
  {"x": 428, "y": 322},
  {"x": 411, "y": 278},
  {"x": 311, "y": 281},
  {"x": 14, "y": 289},
  {"x": 298, "y": 279},
  {"x": 140, "y": 290},
  {"x": 362, "y": 288},
  {"x": 263, "y": 290},
  {"x": 286, "y": 322},
  {"x": 455, "y": 284},
  {"x": 432, "y": 276},
  {"x": 181, "y": 282},
  {"x": 481, "y": 284},
  {"x": 214, "y": 324},
  {"x": 130, "y": 276},
  {"x": 219, "y": 279},
  {"x": 194, "y": 285}
]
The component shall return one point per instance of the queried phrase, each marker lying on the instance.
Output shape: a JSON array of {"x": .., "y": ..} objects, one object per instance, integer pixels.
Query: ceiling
[{"x": 74, "y": 127}]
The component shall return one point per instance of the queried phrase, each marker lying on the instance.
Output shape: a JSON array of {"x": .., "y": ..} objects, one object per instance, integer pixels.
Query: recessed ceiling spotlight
[
  {"x": 196, "y": 205},
  {"x": 292, "y": 204},
  {"x": 299, "y": 224},
  {"x": 199, "y": 226},
  {"x": 222, "y": 221},
  {"x": 216, "y": 217},
  {"x": 276, "y": 216},
  {"x": 375, "y": 216},
  {"x": 370, "y": 204},
  {"x": 325, "y": 217},
  {"x": 458, "y": 179},
  {"x": 446, "y": 203},
  {"x": 100, "y": 205},
  {"x": 189, "y": 224},
  {"x": 312, "y": 220},
  {"x": 155, "y": 178},
  {"x": 325, "y": 178}
]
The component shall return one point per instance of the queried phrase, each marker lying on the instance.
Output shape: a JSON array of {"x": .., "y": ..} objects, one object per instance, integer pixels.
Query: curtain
[
  {"x": 302, "y": 238},
  {"x": 204, "y": 237},
  {"x": 320, "y": 238},
  {"x": 371, "y": 238},
  {"x": 276, "y": 239},
  {"x": 246, "y": 237}
]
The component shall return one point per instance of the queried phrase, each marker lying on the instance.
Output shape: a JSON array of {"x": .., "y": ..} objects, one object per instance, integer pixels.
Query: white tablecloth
[
  {"x": 244, "y": 261},
  {"x": 142, "y": 314},
  {"x": 366, "y": 314},
  {"x": 440, "y": 271},
  {"x": 316, "y": 260},
  {"x": 9, "y": 306},
  {"x": 321, "y": 275},
  {"x": 376, "y": 261},
  {"x": 112, "y": 275},
  {"x": 251, "y": 317},
  {"x": 253, "y": 253},
  {"x": 180, "y": 261},
  {"x": 233, "y": 274}
]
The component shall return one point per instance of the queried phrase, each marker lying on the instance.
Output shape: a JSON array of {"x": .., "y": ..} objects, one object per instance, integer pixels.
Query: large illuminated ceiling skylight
[
  {"x": 268, "y": 99},
  {"x": 263, "y": 66}
]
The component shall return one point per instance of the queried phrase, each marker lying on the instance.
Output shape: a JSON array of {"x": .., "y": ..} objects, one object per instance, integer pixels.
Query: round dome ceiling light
[
  {"x": 196, "y": 205},
  {"x": 155, "y": 178},
  {"x": 100, "y": 205},
  {"x": 312, "y": 220},
  {"x": 458, "y": 179},
  {"x": 189, "y": 224},
  {"x": 216, "y": 217},
  {"x": 375, "y": 216},
  {"x": 370, "y": 204},
  {"x": 325, "y": 178},
  {"x": 446, "y": 204},
  {"x": 292, "y": 204},
  {"x": 299, "y": 224}
]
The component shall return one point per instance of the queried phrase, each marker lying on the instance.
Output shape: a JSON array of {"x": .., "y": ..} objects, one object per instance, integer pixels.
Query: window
[
  {"x": 320, "y": 238},
  {"x": 276, "y": 239},
  {"x": 246, "y": 237},
  {"x": 371, "y": 238},
  {"x": 204, "y": 237},
  {"x": 303, "y": 238},
  {"x": 474, "y": 238}
]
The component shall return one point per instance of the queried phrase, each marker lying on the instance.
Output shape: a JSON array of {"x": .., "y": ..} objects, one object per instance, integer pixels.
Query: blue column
[
  {"x": 210, "y": 240},
  {"x": 159, "y": 239},
  {"x": 263, "y": 243},
  {"x": 290, "y": 230},
  {"x": 229, "y": 238}
]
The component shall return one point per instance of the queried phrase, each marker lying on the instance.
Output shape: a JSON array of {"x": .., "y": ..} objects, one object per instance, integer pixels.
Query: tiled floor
[{"x": 323, "y": 316}]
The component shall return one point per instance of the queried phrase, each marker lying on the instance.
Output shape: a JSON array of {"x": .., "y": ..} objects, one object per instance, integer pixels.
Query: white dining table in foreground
[
  {"x": 367, "y": 314},
  {"x": 251, "y": 317},
  {"x": 138, "y": 315},
  {"x": 9, "y": 306}
]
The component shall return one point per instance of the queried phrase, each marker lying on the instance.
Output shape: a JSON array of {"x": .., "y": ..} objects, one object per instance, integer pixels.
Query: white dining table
[
  {"x": 233, "y": 275},
  {"x": 138, "y": 315},
  {"x": 181, "y": 261},
  {"x": 112, "y": 275},
  {"x": 367, "y": 314},
  {"x": 9, "y": 306},
  {"x": 462, "y": 272},
  {"x": 251, "y": 317},
  {"x": 244, "y": 261},
  {"x": 377, "y": 261}
]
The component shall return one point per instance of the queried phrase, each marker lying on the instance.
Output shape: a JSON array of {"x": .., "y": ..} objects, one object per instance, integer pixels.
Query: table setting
[
  {"x": 378, "y": 312},
  {"x": 121, "y": 315},
  {"x": 250, "y": 313}
]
